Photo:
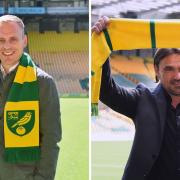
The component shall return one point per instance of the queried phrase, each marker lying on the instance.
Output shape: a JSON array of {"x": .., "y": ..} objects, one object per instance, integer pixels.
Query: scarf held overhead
[
  {"x": 21, "y": 115},
  {"x": 128, "y": 34}
]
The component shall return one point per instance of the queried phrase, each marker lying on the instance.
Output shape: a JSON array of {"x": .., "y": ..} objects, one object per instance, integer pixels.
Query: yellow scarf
[
  {"x": 128, "y": 34},
  {"x": 21, "y": 115}
]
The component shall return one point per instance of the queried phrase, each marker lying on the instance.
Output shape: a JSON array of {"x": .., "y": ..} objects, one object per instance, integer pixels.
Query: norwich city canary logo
[{"x": 20, "y": 122}]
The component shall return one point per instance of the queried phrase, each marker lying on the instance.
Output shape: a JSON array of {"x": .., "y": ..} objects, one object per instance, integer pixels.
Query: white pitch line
[{"x": 108, "y": 166}]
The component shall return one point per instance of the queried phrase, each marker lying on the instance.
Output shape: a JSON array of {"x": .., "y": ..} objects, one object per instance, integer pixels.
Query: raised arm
[{"x": 118, "y": 98}]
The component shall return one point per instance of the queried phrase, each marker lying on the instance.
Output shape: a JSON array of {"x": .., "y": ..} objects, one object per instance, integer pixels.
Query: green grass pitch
[
  {"x": 73, "y": 162},
  {"x": 109, "y": 159}
]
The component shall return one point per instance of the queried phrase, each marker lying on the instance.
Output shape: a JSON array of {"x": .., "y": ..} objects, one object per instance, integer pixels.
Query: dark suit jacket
[{"x": 148, "y": 111}]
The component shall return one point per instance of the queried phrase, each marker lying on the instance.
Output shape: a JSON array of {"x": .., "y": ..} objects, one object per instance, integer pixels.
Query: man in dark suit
[{"x": 155, "y": 154}]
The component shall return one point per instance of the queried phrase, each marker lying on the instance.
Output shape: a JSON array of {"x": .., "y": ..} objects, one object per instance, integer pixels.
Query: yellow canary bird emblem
[{"x": 24, "y": 120}]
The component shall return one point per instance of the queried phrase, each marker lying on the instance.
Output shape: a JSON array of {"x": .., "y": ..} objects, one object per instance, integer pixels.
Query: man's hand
[{"x": 100, "y": 25}]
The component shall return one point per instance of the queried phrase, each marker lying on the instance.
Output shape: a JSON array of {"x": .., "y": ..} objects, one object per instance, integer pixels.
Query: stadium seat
[
  {"x": 122, "y": 81},
  {"x": 64, "y": 56},
  {"x": 144, "y": 79}
]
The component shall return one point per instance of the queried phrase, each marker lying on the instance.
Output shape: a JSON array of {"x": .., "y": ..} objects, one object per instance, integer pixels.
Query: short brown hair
[{"x": 162, "y": 53}]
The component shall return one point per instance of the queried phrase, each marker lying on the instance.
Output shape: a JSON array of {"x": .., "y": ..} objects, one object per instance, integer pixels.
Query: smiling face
[
  {"x": 12, "y": 43},
  {"x": 168, "y": 73}
]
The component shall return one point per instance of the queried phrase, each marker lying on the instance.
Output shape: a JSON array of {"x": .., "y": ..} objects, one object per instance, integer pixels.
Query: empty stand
[
  {"x": 131, "y": 70},
  {"x": 64, "y": 56},
  {"x": 54, "y": 42},
  {"x": 129, "y": 65},
  {"x": 150, "y": 68},
  {"x": 122, "y": 81},
  {"x": 144, "y": 79}
]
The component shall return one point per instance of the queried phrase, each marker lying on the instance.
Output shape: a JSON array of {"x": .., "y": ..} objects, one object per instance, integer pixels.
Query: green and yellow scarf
[
  {"x": 128, "y": 34},
  {"x": 21, "y": 115}
]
